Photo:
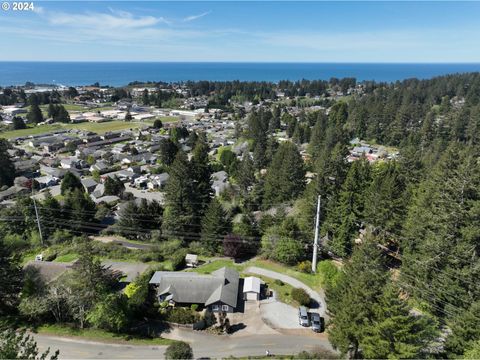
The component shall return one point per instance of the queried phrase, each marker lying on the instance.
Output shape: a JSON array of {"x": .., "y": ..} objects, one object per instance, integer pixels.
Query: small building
[
  {"x": 251, "y": 288},
  {"x": 191, "y": 260}
]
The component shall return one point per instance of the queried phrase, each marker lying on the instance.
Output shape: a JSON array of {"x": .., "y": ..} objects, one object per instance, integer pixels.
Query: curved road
[
  {"x": 318, "y": 297},
  {"x": 204, "y": 345}
]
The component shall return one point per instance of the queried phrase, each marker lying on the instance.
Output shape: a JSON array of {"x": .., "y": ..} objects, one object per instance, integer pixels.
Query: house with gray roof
[{"x": 217, "y": 291}]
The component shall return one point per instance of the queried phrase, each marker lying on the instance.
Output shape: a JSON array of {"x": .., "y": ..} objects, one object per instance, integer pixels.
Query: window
[
  {"x": 214, "y": 307},
  {"x": 224, "y": 307}
]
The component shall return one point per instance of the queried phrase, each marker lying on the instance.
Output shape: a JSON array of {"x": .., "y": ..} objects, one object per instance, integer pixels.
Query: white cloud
[{"x": 195, "y": 17}]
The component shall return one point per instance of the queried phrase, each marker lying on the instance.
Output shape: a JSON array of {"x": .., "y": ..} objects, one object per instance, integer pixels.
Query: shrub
[
  {"x": 278, "y": 282},
  {"x": 194, "y": 307},
  {"x": 329, "y": 274},
  {"x": 301, "y": 296},
  {"x": 288, "y": 251},
  {"x": 182, "y": 316},
  {"x": 178, "y": 260},
  {"x": 305, "y": 266},
  {"x": 179, "y": 350}
]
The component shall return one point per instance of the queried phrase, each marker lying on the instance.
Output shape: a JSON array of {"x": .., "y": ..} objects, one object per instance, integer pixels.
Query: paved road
[
  {"x": 80, "y": 349},
  {"x": 204, "y": 345},
  {"x": 318, "y": 297}
]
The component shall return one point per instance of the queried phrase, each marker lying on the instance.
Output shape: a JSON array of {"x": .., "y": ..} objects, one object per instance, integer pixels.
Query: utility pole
[
  {"x": 317, "y": 230},
  {"x": 38, "y": 219}
]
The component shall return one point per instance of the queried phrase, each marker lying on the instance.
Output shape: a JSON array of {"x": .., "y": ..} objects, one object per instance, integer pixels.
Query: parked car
[
  {"x": 303, "y": 316},
  {"x": 317, "y": 322}
]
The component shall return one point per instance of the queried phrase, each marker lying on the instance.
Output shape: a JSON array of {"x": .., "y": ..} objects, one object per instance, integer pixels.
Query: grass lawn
[
  {"x": 312, "y": 280},
  {"x": 99, "y": 128},
  {"x": 66, "y": 258},
  {"x": 208, "y": 268},
  {"x": 284, "y": 292},
  {"x": 100, "y": 335}
]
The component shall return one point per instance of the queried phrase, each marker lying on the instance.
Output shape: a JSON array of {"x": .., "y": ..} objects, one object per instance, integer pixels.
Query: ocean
[{"x": 122, "y": 73}]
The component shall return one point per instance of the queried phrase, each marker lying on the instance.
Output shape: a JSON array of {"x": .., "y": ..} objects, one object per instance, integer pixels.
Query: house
[
  {"x": 191, "y": 260},
  {"x": 46, "y": 181},
  {"x": 89, "y": 185},
  {"x": 251, "y": 288},
  {"x": 100, "y": 166},
  {"x": 218, "y": 291}
]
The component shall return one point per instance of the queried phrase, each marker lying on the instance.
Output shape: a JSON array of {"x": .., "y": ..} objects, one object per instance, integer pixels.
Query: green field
[{"x": 99, "y": 128}]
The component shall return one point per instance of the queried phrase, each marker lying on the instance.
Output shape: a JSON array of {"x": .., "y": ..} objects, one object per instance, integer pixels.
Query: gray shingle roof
[{"x": 194, "y": 288}]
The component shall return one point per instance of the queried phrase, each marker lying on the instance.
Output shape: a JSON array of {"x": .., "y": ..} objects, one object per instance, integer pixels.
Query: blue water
[{"x": 121, "y": 73}]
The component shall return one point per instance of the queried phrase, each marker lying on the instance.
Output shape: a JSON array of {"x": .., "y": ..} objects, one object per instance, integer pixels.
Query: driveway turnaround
[{"x": 318, "y": 297}]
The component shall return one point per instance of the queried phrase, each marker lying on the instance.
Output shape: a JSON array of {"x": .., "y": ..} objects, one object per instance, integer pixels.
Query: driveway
[
  {"x": 130, "y": 270},
  {"x": 122, "y": 242},
  {"x": 319, "y": 298},
  {"x": 279, "y": 315}
]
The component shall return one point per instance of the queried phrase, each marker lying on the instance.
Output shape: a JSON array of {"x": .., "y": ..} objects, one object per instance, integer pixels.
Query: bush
[
  {"x": 182, "y": 316},
  {"x": 278, "y": 282},
  {"x": 194, "y": 307},
  {"x": 305, "y": 266},
  {"x": 179, "y": 350},
  {"x": 178, "y": 260},
  {"x": 301, "y": 296},
  {"x": 329, "y": 274},
  {"x": 288, "y": 251}
]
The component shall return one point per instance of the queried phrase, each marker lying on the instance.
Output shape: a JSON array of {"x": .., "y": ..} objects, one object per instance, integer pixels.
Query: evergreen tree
[
  {"x": 10, "y": 280},
  {"x": 246, "y": 174},
  {"x": 18, "y": 123},
  {"x": 344, "y": 220},
  {"x": 352, "y": 301},
  {"x": 215, "y": 225},
  {"x": 35, "y": 115},
  {"x": 440, "y": 263},
  {"x": 285, "y": 177},
  {"x": 394, "y": 332},
  {"x": 465, "y": 331},
  {"x": 180, "y": 200},
  {"x": 61, "y": 115},
  {"x": 386, "y": 198},
  {"x": 114, "y": 186},
  {"x": 201, "y": 175},
  {"x": 69, "y": 183},
  {"x": 145, "y": 97},
  {"x": 8, "y": 169},
  {"x": 168, "y": 150}
]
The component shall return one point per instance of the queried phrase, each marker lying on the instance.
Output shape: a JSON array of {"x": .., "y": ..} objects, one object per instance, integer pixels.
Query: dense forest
[{"x": 406, "y": 230}]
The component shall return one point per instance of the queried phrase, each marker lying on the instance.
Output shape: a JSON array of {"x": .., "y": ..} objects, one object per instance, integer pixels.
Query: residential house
[
  {"x": 89, "y": 185},
  {"x": 217, "y": 291}
]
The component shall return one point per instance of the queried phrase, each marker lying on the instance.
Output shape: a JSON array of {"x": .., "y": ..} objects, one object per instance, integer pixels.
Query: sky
[{"x": 248, "y": 31}]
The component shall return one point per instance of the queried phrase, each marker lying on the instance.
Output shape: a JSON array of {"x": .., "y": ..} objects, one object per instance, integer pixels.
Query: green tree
[
  {"x": 34, "y": 114},
  {"x": 288, "y": 251},
  {"x": 114, "y": 186},
  {"x": 168, "y": 151},
  {"x": 69, "y": 183},
  {"x": 145, "y": 97},
  {"x": 61, "y": 115},
  {"x": 18, "y": 123},
  {"x": 245, "y": 175},
  {"x": 473, "y": 352},
  {"x": 215, "y": 224},
  {"x": 395, "y": 332},
  {"x": 201, "y": 175},
  {"x": 180, "y": 200},
  {"x": 10, "y": 280},
  {"x": 8, "y": 169},
  {"x": 157, "y": 124},
  {"x": 285, "y": 178},
  {"x": 465, "y": 331},
  {"x": 128, "y": 116},
  {"x": 112, "y": 313},
  {"x": 343, "y": 221},
  {"x": 179, "y": 350},
  {"x": 18, "y": 345},
  {"x": 351, "y": 302}
]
